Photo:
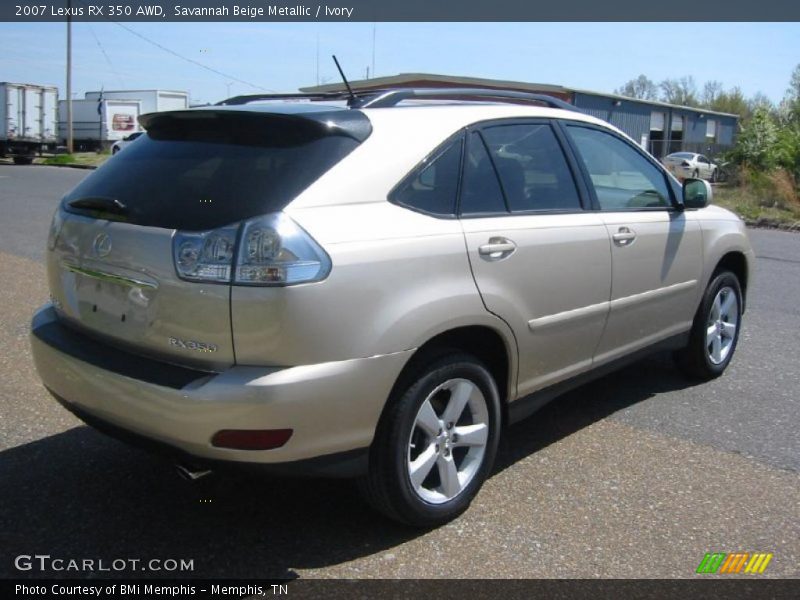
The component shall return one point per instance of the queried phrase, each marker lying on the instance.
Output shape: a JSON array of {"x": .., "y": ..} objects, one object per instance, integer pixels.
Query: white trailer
[
  {"x": 152, "y": 100},
  {"x": 28, "y": 120},
  {"x": 98, "y": 124}
]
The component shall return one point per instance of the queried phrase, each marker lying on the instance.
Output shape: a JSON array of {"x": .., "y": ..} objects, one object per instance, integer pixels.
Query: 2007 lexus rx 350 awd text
[{"x": 373, "y": 289}]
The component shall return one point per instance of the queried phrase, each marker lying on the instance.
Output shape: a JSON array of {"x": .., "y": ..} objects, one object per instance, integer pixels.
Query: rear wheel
[
  {"x": 715, "y": 331},
  {"x": 436, "y": 443}
]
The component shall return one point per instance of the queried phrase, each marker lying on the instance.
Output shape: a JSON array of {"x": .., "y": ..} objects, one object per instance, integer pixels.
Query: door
[
  {"x": 32, "y": 102},
  {"x": 14, "y": 125},
  {"x": 49, "y": 115},
  {"x": 705, "y": 167},
  {"x": 541, "y": 262},
  {"x": 656, "y": 248}
]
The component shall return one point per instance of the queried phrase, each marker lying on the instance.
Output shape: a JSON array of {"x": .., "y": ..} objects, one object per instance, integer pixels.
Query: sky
[{"x": 253, "y": 57}]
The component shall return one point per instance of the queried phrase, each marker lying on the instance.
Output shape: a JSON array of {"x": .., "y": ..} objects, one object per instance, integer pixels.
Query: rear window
[{"x": 209, "y": 170}]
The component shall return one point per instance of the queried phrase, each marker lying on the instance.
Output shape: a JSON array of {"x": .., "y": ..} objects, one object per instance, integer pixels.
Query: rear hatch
[{"x": 111, "y": 269}]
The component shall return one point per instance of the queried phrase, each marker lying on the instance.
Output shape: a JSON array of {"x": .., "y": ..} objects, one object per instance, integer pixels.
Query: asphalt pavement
[{"x": 638, "y": 474}]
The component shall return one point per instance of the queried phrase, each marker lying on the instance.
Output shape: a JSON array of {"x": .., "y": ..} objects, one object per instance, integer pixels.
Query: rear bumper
[{"x": 333, "y": 408}]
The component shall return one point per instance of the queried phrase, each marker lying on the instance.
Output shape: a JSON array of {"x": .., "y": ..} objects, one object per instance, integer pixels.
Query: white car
[
  {"x": 120, "y": 144},
  {"x": 685, "y": 165}
]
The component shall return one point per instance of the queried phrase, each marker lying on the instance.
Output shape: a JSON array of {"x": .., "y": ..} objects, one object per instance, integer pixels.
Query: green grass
[
  {"x": 79, "y": 158},
  {"x": 755, "y": 211}
]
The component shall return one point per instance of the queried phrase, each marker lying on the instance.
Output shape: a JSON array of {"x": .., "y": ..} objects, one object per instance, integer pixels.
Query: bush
[{"x": 769, "y": 189}]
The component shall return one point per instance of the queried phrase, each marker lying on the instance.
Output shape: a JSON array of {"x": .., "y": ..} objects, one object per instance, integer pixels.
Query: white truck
[
  {"x": 28, "y": 120},
  {"x": 152, "y": 100},
  {"x": 97, "y": 124}
]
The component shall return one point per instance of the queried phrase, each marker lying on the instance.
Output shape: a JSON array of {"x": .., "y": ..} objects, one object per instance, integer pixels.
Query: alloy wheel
[
  {"x": 723, "y": 319},
  {"x": 448, "y": 440}
]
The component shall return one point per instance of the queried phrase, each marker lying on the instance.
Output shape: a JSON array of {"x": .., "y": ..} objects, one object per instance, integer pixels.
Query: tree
[
  {"x": 790, "y": 107},
  {"x": 756, "y": 144},
  {"x": 711, "y": 91},
  {"x": 793, "y": 92},
  {"x": 641, "y": 88},
  {"x": 733, "y": 102},
  {"x": 681, "y": 91}
]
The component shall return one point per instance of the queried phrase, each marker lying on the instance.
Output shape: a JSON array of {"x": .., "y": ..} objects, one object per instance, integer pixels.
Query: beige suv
[{"x": 373, "y": 289}]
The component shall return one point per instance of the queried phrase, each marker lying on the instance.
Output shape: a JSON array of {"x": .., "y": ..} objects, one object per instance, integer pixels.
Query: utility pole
[
  {"x": 69, "y": 78},
  {"x": 373, "y": 50}
]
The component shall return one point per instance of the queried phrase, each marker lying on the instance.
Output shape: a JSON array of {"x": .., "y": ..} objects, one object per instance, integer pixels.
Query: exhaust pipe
[{"x": 190, "y": 473}]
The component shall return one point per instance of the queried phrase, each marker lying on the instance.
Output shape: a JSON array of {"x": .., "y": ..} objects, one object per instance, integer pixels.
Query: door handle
[
  {"x": 624, "y": 236},
  {"x": 498, "y": 248}
]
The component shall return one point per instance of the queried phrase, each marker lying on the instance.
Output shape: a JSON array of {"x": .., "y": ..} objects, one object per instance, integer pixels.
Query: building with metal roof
[{"x": 659, "y": 127}]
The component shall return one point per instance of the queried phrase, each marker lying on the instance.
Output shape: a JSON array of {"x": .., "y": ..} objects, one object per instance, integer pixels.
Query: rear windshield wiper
[{"x": 103, "y": 203}]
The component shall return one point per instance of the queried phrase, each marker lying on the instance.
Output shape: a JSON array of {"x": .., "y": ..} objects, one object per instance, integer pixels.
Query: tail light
[
  {"x": 55, "y": 229},
  {"x": 268, "y": 250}
]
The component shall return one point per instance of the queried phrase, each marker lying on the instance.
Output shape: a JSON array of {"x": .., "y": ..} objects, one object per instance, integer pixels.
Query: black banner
[
  {"x": 397, "y": 10},
  {"x": 439, "y": 589}
]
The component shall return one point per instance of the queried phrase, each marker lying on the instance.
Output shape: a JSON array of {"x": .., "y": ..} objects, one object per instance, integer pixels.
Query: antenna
[{"x": 347, "y": 85}]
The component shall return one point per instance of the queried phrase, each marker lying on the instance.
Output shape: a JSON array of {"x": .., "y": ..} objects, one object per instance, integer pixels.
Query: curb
[
  {"x": 68, "y": 166},
  {"x": 771, "y": 224}
]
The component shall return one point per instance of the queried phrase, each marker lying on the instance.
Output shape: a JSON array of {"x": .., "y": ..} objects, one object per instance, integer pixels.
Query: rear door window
[
  {"x": 532, "y": 167},
  {"x": 481, "y": 192},
  {"x": 208, "y": 170}
]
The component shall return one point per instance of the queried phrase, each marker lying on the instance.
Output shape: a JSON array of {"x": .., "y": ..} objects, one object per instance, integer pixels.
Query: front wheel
[
  {"x": 715, "y": 330},
  {"x": 714, "y": 176},
  {"x": 436, "y": 442}
]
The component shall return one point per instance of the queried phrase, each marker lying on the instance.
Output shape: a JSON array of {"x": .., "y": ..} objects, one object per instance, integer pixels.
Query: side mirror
[{"x": 697, "y": 193}]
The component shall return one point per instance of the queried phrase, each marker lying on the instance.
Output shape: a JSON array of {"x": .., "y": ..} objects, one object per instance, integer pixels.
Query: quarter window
[
  {"x": 622, "y": 177},
  {"x": 432, "y": 188},
  {"x": 532, "y": 167}
]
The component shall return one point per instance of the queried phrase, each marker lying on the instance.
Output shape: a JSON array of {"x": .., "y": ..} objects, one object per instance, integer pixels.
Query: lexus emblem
[{"x": 101, "y": 245}]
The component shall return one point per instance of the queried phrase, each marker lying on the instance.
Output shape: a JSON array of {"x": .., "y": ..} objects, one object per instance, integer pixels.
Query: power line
[
  {"x": 103, "y": 50},
  {"x": 186, "y": 58},
  {"x": 191, "y": 60}
]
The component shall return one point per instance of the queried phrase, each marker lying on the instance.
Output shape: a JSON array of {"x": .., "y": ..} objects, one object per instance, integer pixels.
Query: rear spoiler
[{"x": 350, "y": 123}]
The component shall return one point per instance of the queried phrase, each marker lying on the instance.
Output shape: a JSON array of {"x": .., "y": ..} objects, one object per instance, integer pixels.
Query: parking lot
[{"x": 638, "y": 474}]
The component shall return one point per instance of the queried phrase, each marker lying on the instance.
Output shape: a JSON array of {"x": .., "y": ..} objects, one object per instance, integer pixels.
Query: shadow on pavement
[
  {"x": 588, "y": 404},
  {"x": 79, "y": 494}
]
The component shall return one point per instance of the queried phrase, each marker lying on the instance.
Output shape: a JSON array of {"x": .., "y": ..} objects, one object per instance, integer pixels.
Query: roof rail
[
  {"x": 247, "y": 98},
  {"x": 392, "y": 97}
]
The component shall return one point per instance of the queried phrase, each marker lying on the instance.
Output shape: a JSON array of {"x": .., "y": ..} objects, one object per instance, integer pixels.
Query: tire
[
  {"x": 449, "y": 472},
  {"x": 714, "y": 176},
  {"x": 23, "y": 160},
  {"x": 695, "y": 174},
  {"x": 715, "y": 330}
]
